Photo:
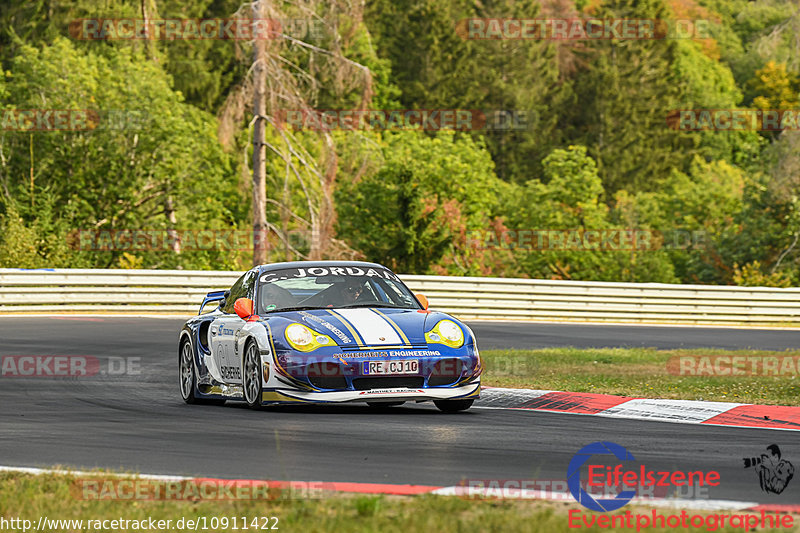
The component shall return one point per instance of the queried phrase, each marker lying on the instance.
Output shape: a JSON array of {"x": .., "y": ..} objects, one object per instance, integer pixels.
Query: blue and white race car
[{"x": 326, "y": 332}]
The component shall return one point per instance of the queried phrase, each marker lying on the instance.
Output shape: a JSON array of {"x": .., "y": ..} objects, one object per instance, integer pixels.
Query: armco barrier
[{"x": 179, "y": 291}]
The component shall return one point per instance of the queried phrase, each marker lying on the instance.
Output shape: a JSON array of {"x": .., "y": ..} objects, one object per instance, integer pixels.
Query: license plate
[{"x": 380, "y": 368}]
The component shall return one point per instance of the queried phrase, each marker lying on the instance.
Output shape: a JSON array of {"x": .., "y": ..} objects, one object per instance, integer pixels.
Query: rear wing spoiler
[{"x": 214, "y": 296}]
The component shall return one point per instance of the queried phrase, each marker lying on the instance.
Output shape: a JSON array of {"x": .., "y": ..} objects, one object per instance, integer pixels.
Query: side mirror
[
  {"x": 422, "y": 300},
  {"x": 224, "y": 300},
  {"x": 243, "y": 307}
]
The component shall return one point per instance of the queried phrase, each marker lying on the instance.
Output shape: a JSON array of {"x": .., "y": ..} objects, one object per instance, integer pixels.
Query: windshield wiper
[{"x": 373, "y": 304}]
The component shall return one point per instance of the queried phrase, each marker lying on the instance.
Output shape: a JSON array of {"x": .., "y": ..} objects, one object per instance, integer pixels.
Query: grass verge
[
  {"x": 651, "y": 373},
  {"x": 29, "y": 497}
]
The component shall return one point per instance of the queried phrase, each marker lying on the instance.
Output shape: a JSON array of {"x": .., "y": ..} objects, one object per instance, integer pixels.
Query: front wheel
[
  {"x": 252, "y": 376},
  {"x": 453, "y": 406}
]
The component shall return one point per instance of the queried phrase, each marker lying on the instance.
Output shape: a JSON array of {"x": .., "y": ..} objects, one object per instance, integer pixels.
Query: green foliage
[
  {"x": 437, "y": 68},
  {"x": 752, "y": 275},
  {"x": 639, "y": 372},
  {"x": 417, "y": 209},
  {"x": 597, "y": 153},
  {"x": 147, "y": 151},
  {"x": 571, "y": 199},
  {"x": 17, "y": 242},
  {"x": 775, "y": 87},
  {"x": 626, "y": 91}
]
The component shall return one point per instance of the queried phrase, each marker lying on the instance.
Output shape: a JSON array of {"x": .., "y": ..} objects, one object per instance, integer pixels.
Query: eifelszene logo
[
  {"x": 574, "y": 476},
  {"x": 773, "y": 472},
  {"x": 608, "y": 480}
]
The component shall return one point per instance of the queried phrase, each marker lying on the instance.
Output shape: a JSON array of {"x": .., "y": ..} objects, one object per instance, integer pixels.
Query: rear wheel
[
  {"x": 186, "y": 373},
  {"x": 252, "y": 376},
  {"x": 188, "y": 379},
  {"x": 453, "y": 406}
]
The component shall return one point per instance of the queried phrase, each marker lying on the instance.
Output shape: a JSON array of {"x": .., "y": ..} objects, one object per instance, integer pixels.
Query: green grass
[
  {"x": 640, "y": 372},
  {"x": 29, "y": 497}
]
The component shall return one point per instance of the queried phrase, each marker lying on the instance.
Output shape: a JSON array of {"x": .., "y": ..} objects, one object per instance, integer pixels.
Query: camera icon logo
[{"x": 774, "y": 473}]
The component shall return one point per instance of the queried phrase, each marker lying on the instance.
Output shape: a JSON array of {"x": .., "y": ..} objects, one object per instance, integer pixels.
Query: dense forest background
[{"x": 596, "y": 152}]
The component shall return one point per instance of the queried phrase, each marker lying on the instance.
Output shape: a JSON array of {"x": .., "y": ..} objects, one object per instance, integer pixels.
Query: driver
[{"x": 351, "y": 290}]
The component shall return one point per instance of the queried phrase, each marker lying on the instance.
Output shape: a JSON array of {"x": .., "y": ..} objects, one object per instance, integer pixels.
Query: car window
[
  {"x": 238, "y": 290},
  {"x": 332, "y": 287},
  {"x": 249, "y": 285}
]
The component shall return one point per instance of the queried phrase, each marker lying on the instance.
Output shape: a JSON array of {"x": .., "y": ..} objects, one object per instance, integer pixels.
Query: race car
[{"x": 326, "y": 332}]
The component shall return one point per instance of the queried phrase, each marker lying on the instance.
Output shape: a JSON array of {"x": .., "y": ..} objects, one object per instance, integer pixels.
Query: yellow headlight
[
  {"x": 451, "y": 331},
  {"x": 305, "y": 339},
  {"x": 299, "y": 335},
  {"x": 446, "y": 332}
]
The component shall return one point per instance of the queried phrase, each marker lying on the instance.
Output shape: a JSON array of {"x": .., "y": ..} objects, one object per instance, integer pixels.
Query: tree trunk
[
  {"x": 259, "y": 149},
  {"x": 169, "y": 212}
]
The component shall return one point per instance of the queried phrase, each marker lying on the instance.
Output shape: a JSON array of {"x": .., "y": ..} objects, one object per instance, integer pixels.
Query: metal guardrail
[{"x": 178, "y": 291}]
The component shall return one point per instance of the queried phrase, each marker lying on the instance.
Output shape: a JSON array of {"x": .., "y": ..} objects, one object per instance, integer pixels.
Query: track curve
[{"x": 138, "y": 422}]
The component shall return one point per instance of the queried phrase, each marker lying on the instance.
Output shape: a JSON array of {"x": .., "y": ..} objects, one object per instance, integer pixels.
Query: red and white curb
[
  {"x": 467, "y": 492},
  {"x": 677, "y": 411}
]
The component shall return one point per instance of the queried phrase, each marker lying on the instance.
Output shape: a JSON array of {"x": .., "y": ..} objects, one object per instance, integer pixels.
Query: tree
[
  {"x": 296, "y": 74},
  {"x": 418, "y": 209},
  {"x": 626, "y": 90},
  {"x": 436, "y": 67},
  {"x": 142, "y": 146},
  {"x": 574, "y": 233}
]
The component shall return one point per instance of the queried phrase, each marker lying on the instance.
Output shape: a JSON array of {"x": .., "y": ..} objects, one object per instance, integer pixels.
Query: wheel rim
[
  {"x": 186, "y": 371},
  {"x": 251, "y": 382}
]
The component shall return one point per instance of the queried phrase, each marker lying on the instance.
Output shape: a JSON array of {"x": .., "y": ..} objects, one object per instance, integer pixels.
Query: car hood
[{"x": 352, "y": 328}]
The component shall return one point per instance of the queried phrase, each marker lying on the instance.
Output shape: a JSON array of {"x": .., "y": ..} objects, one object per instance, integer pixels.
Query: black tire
[
  {"x": 252, "y": 381},
  {"x": 187, "y": 378},
  {"x": 453, "y": 406},
  {"x": 384, "y": 405}
]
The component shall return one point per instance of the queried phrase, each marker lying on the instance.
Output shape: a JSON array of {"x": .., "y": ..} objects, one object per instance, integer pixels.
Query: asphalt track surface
[{"x": 138, "y": 422}]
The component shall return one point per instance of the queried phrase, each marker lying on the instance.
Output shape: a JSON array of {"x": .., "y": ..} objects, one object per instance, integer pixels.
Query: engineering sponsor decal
[
  {"x": 389, "y": 353},
  {"x": 327, "y": 325},
  {"x": 414, "y": 353}
]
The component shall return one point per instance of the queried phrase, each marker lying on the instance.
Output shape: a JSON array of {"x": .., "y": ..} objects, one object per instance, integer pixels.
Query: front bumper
[{"x": 293, "y": 396}]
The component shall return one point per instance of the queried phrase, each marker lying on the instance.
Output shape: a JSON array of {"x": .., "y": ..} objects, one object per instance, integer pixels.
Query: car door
[{"x": 225, "y": 331}]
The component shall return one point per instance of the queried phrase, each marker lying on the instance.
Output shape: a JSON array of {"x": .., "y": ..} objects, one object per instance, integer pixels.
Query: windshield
[{"x": 332, "y": 287}]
